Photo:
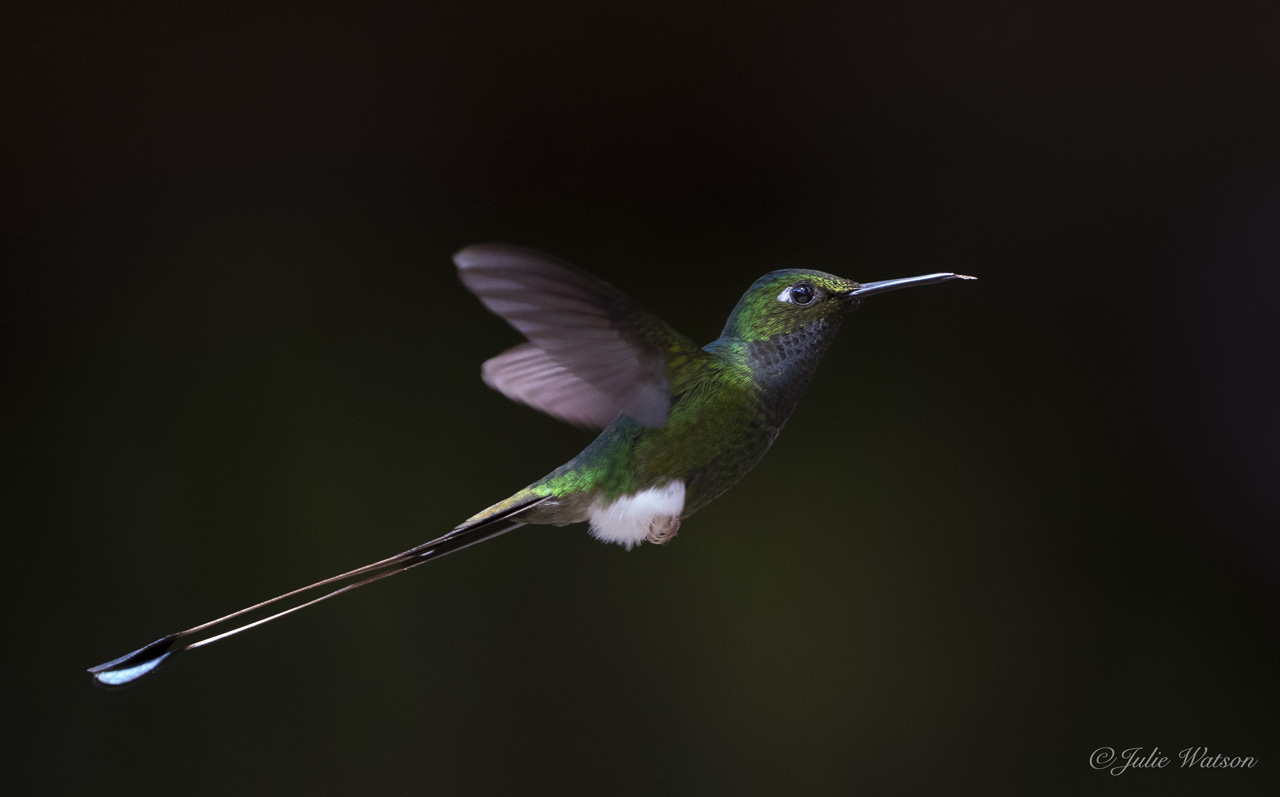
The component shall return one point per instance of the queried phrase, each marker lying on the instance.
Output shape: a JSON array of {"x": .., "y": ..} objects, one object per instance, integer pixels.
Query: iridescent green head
[
  {"x": 788, "y": 301},
  {"x": 792, "y": 300}
]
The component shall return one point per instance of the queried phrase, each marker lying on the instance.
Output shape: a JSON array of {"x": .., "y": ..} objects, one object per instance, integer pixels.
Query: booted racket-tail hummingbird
[{"x": 681, "y": 423}]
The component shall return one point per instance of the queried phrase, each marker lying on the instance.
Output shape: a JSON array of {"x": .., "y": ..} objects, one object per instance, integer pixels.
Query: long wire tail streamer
[{"x": 128, "y": 669}]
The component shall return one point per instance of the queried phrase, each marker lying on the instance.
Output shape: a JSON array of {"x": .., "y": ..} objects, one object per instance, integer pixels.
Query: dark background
[{"x": 1013, "y": 521}]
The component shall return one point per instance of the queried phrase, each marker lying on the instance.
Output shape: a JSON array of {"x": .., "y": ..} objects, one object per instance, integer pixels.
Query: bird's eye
[{"x": 802, "y": 293}]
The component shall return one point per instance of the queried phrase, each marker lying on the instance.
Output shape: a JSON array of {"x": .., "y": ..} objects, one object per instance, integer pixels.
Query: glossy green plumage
[
  {"x": 730, "y": 400},
  {"x": 759, "y": 315}
]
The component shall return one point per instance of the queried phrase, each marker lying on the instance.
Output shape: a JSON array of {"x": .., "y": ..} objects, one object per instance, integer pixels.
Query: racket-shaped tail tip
[{"x": 127, "y": 669}]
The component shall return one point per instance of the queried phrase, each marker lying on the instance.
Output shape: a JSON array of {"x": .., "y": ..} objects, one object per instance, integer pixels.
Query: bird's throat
[{"x": 783, "y": 365}]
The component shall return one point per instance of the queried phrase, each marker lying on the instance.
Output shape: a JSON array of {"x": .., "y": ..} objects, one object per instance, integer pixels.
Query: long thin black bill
[
  {"x": 872, "y": 288},
  {"x": 128, "y": 669}
]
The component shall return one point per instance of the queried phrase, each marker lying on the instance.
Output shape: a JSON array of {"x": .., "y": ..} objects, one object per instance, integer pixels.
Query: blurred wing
[
  {"x": 527, "y": 374},
  {"x": 594, "y": 353}
]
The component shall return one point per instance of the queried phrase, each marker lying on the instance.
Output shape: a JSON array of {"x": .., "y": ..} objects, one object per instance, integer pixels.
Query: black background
[{"x": 1014, "y": 521}]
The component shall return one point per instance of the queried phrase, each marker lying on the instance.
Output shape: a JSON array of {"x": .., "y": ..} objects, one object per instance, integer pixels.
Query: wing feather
[
  {"x": 528, "y": 375},
  {"x": 593, "y": 353}
]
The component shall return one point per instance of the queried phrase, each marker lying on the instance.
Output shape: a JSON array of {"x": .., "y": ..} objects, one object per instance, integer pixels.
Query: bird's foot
[{"x": 662, "y": 530}]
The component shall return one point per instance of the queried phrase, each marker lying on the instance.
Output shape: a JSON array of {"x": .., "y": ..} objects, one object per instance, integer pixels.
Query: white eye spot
[{"x": 802, "y": 293}]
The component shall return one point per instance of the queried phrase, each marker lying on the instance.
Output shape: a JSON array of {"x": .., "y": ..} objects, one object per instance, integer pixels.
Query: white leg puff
[{"x": 652, "y": 514}]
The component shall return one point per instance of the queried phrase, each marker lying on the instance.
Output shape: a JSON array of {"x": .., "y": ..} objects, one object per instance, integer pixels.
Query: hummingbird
[{"x": 680, "y": 424}]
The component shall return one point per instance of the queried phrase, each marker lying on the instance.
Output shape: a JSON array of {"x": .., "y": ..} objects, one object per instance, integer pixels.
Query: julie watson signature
[{"x": 1137, "y": 758}]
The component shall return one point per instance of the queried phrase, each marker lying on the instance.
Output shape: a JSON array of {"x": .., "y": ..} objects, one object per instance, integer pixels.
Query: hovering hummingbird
[{"x": 681, "y": 423}]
